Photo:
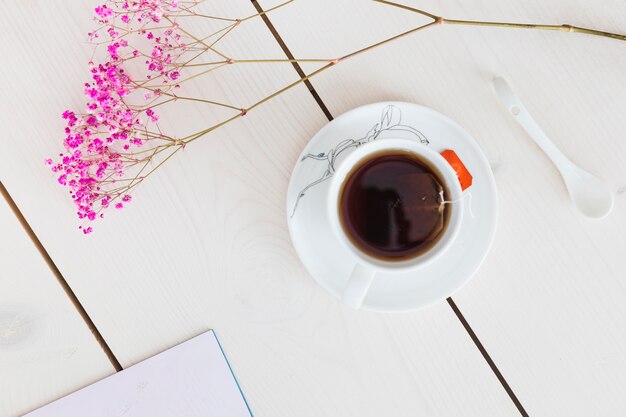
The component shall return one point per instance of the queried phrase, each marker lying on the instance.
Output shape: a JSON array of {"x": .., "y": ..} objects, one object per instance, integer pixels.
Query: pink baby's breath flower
[
  {"x": 104, "y": 12},
  {"x": 152, "y": 115},
  {"x": 106, "y": 144},
  {"x": 95, "y": 139}
]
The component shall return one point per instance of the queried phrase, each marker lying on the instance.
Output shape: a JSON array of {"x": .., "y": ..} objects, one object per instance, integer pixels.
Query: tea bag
[
  {"x": 422, "y": 202},
  {"x": 426, "y": 197}
]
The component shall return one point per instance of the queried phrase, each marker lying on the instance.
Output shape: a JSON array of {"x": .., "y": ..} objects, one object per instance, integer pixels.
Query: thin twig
[{"x": 562, "y": 27}]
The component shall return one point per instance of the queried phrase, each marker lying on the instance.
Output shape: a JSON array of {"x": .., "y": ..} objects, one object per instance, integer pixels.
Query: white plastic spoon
[{"x": 590, "y": 195}]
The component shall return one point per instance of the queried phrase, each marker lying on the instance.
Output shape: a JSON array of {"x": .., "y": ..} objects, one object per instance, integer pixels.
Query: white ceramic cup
[{"x": 366, "y": 267}]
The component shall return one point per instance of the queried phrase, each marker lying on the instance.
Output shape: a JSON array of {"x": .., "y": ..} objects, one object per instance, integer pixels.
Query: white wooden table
[{"x": 540, "y": 330}]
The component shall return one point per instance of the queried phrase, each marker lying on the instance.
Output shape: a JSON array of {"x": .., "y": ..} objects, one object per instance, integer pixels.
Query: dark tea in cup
[{"x": 391, "y": 205}]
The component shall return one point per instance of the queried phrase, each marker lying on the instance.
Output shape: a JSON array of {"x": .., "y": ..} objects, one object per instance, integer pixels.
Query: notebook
[{"x": 192, "y": 379}]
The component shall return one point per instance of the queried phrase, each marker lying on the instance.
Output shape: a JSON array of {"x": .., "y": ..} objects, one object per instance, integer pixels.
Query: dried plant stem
[
  {"x": 563, "y": 27},
  {"x": 200, "y": 100},
  {"x": 331, "y": 64},
  {"x": 391, "y": 39},
  {"x": 437, "y": 20},
  {"x": 249, "y": 61},
  {"x": 278, "y": 6},
  {"x": 413, "y": 9}
]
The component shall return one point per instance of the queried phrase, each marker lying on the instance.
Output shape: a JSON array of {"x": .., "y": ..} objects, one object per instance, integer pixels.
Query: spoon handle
[{"x": 523, "y": 117}]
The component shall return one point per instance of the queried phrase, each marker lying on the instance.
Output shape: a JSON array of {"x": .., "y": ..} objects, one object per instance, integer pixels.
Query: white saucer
[{"x": 322, "y": 253}]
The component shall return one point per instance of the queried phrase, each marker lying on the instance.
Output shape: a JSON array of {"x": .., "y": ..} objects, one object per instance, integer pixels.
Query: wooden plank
[
  {"x": 46, "y": 350},
  {"x": 205, "y": 243},
  {"x": 549, "y": 302}
]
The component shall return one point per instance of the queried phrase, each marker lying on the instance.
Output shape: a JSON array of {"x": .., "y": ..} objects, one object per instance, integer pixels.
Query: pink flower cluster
[
  {"x": 103, "y": 143},
  {"x": 96, "y": 139}
]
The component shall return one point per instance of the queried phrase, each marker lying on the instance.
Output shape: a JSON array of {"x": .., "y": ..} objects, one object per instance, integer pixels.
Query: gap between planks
[
  {"x": 487, "y": 357},
  {"x": 450, "y": 301},
  {"x": 61, "y": 280}
]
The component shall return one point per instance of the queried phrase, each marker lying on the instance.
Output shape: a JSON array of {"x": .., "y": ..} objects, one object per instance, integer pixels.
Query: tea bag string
[{"x": 468, "y": 195}]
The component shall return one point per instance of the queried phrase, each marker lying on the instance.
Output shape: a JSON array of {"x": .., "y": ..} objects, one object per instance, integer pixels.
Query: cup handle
[{"x": 358, "y": 285}]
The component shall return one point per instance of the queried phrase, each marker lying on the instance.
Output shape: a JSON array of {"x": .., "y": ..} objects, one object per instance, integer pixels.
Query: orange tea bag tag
[{"x": 465, "y": 178}]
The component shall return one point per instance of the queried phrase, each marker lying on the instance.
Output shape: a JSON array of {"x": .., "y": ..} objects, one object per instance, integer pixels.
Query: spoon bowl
[{"x": 591, "y": 196}]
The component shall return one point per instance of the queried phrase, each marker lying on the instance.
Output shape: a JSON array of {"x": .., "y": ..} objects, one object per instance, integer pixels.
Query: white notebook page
[{"x": 192, "y": 379}]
